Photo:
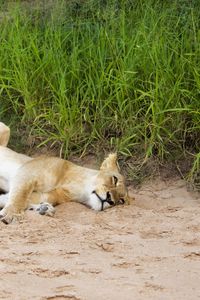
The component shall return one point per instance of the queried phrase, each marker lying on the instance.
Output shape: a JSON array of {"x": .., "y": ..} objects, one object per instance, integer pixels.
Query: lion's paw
[
  {"x": 7, "y": 215},
  {"x": 44, "y": 208}
]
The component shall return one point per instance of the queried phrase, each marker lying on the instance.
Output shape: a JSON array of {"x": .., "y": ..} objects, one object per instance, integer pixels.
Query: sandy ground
[{"x": 147, "y": 250}]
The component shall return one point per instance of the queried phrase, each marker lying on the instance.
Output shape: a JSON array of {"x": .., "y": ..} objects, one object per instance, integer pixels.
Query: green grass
[{"x": 117, "y": 75}]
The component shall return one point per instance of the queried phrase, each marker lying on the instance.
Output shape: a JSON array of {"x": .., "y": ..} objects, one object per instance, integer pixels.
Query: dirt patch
[{"x": 147, "y": 250}]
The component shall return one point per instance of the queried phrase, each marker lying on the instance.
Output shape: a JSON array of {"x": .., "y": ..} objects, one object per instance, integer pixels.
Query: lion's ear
[{"x": 110, "y": 163}]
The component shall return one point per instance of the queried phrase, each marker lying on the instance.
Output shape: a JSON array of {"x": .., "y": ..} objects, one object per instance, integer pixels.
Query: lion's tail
[{"x": 4, "y": 134}]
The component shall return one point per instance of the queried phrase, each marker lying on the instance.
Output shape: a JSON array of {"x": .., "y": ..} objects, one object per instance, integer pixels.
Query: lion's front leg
[
  {"x": 17, "y": 202},
  {"x": 44, "y": 203},
  {"x": 3, "y": 200}
]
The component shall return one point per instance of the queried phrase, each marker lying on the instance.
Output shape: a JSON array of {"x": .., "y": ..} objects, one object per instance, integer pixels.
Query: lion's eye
[
  {"x": 121, "y": 201},
  {"x": 115, "y": 180}
]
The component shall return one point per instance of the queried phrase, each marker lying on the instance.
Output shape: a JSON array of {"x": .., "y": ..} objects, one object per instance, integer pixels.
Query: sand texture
[{"x": 147, "y": 250}]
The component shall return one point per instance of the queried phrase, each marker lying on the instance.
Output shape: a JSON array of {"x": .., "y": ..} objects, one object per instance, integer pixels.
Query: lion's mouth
[{"x": 108, "y": 199}]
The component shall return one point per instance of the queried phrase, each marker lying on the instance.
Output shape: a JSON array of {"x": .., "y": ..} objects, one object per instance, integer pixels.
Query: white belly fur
[{"x": 10, "y": 162}]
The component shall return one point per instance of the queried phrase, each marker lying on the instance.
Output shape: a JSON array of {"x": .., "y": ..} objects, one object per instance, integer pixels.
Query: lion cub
[{"x": 41, "y": 183}]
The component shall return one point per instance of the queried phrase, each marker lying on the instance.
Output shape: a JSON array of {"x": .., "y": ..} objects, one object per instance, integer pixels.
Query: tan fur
[
  {"x": 4, "y": 134},
  {"x": 29, "y": 181}
]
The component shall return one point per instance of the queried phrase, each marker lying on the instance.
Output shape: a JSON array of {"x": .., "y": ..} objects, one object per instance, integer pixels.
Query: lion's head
[{"x": 109, "y": 187}]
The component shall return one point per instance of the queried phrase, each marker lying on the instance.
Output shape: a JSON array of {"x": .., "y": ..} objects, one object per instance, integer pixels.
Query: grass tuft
[{"x": 120, "y": 74}]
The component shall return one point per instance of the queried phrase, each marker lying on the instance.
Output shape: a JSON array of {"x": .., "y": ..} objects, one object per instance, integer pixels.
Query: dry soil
[{"x": 147, "y": 250}]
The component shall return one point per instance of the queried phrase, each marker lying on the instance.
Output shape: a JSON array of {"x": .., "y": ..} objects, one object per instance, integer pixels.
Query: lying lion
[{"x": 41, "y": 183}]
